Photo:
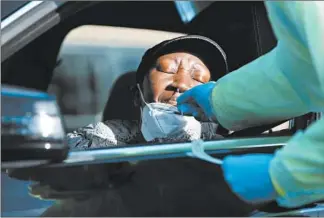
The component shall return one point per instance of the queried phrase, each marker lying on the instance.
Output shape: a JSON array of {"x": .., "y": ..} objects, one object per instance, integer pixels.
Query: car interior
[{"x": 89, "y": 62}]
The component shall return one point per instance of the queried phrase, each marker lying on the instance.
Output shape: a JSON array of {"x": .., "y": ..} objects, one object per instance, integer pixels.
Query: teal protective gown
[{"x": 284, "y": 83}]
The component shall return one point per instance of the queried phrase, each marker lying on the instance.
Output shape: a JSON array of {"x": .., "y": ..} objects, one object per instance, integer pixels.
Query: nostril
[{"x": 172, "y": 88}]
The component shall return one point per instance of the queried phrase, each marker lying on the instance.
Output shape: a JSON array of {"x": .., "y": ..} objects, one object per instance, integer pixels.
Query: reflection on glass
[{"x": 186, "y": 9}]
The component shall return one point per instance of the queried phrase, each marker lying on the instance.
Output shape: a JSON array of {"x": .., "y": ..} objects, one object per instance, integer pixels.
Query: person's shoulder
[
  {"x": 209, "y": 131},
  {"x": 107, "y": 127},
  {"x": 209, "y": 126},
  {"x": 106, "y": 133},
  {"x": 123, "y": 130},
  {"x": 121, "y": 124}
]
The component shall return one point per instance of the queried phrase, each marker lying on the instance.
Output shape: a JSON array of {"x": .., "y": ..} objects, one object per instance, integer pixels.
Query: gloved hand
[
  {"x": 73, "y": 182},
  {"x": 248, "y": 177},
  {"x": 196, "y": 102}
]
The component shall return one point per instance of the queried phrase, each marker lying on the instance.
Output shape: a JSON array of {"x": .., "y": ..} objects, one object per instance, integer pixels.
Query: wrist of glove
[
  {"x": 73, "y": 182},
  {"x": 248, "y": 177}
]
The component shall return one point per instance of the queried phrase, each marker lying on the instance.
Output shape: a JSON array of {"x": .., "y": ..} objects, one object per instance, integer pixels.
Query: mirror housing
[{"x": 32, "y": 128}]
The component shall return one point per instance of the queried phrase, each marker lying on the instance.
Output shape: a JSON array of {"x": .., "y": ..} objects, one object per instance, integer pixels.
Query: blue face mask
[{"x": 160, "y": 120}]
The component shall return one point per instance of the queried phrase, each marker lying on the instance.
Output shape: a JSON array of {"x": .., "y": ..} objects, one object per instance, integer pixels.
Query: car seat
[{"x": 120, "y": 102}]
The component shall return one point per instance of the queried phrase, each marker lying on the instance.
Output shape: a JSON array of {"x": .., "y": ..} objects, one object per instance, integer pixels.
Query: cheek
[
  {"x": 153, "y": 87},
  {"x": 153, "y": 79},
  {"x": 158, "y": 83},
  {"x": 147, "y": 90}
]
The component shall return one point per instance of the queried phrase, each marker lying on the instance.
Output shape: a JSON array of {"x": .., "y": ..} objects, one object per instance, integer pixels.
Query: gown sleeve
[{"x": 284, "y": 83}]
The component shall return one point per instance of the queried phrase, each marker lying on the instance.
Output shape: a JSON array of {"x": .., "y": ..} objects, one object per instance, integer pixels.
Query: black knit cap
[{"x": 206, "y": 49}]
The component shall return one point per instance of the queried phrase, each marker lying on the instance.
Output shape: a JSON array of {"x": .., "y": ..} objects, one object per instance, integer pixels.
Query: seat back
[{"x": 120, "y": 102}]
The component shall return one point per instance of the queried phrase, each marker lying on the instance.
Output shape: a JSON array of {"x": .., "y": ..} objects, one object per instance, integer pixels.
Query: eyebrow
[
  {"x": 166, "y": 59},
  {"x": 178, "y": 60},
  {"x": 190, "y": 60}
]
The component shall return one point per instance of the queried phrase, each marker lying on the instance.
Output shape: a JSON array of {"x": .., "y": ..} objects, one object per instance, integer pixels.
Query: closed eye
[
  {"x": 197, "y": 80},
  {"x": 196, "y": 75},
  {"x": 168, "y": 71}
]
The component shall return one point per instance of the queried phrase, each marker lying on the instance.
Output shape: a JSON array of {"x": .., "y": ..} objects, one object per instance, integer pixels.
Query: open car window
[{"x": 92, "y": 58}]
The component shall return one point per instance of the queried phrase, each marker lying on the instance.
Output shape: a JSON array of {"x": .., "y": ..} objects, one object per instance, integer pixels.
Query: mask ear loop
[{"x": 142, "y": 96}]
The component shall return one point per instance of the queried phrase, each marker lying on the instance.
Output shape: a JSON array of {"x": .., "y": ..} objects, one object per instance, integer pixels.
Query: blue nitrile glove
[
  {"x": 196, "y": 102},
  {"x": 248, "y": 177}
]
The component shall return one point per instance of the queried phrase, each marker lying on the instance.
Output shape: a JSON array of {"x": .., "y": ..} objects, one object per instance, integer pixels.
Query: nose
[{"x": 182, "y": 80}]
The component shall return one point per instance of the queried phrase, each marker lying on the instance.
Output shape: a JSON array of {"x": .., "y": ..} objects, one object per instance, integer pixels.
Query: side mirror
[{"x": 32, "y": 129}]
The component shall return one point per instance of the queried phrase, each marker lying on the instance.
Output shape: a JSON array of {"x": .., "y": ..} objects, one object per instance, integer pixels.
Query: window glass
[{"x": 188, "y": 10}]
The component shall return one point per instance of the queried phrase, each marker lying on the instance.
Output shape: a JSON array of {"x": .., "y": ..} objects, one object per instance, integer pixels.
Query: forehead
[{"x": 179, "y": 56}]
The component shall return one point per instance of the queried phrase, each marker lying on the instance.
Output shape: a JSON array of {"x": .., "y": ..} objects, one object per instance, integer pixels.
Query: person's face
[{"x": 173, "y": 74}]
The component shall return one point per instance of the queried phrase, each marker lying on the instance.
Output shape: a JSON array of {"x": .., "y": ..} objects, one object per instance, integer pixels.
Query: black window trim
[{"x": 27, "y": 23}]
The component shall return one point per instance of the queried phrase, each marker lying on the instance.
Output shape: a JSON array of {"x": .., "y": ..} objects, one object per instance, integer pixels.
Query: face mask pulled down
[{"x": 162, "y": 121}]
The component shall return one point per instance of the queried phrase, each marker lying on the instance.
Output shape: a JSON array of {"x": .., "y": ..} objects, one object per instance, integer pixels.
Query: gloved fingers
[
  {"x": 187, "y": 96},
  {"x": 196, "y": 92},
  {"x": 195, "y": 102},
  {"x": 188, "y": 109},
  {"x": 238, "y": 160},
  {"x": 193, "y": 110},
  {"x": 248, "y": 177},
  {"x": 237, "y": 163}
]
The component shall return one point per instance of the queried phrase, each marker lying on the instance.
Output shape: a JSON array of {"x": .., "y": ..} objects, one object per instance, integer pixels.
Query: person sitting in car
[{"x": 166, "y": 71}]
